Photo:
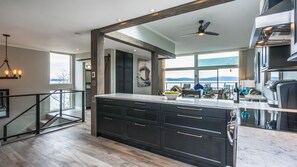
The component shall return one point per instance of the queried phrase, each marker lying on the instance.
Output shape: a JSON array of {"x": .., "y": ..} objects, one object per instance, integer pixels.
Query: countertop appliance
[{"x": 272, "y": 86}]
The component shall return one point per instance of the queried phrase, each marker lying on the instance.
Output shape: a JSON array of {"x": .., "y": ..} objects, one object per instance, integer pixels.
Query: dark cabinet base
[{"x": 193, "y": 135}]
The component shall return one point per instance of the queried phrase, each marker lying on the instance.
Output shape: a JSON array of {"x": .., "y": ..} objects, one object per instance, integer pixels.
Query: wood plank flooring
[{"x": 75, "y": 147}]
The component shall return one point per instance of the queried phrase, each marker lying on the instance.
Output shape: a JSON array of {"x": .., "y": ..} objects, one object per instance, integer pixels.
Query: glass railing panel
[{"x": 25, "y": 122}]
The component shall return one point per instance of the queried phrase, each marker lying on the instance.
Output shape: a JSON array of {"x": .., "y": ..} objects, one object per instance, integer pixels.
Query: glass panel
[
  {"x": 274, "y": 76},
  {"x": 218, "y": 59},
  {"x": 208, "y": 77},
  {"x": 27, "y": 121},
  {"x": 180, "y": 61},
  {"x": 228, "y": 77},
  {"x": 60, "y": 68},
  {"x": 179, "y": 78}
]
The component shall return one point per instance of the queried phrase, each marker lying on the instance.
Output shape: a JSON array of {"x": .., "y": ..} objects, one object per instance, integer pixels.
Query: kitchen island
[{"x": 186, "y": 129}]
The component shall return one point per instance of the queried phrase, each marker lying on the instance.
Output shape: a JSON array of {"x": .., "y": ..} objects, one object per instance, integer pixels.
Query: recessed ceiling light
[
  {"x": 152, "y": 10},
  {"x": 77, "y": 49},
  {"x": 135, "y": 50},
  {"x": 119, "y": 20}
]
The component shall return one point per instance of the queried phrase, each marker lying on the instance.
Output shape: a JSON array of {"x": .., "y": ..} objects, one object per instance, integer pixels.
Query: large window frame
[
  {"x": 196, "y": 68},
  {"x": 71, "y": 75}
]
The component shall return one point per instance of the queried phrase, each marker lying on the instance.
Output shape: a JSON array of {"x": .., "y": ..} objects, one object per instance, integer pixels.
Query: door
[{"x": 124, "y": 72}]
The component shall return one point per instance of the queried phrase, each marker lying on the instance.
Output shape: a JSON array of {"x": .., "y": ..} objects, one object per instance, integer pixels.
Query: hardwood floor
[{"x": 75, "y": 147}]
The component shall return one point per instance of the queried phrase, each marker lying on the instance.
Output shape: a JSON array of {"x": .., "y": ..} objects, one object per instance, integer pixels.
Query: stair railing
[{"x": 37, "y": 114}]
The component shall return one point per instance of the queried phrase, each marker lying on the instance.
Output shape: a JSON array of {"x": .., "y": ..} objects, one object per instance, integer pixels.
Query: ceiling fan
[{"x": 201, "y": 30}]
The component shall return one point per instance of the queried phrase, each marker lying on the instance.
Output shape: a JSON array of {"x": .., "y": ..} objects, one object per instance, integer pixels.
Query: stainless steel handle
[
  {"x": 186, "y": 116},
  {"x": 231, "y": 141},
  {"x": 139, "y": 110},
  {"x": 107, "y": 106},
  {"x": 108, "y": 100},
  {"x": 188, "y": 134},
  {"x": 186, "y": 108},
  {"x": 137, "y": 124},
  {"x": 107, "y": 118},
  {"x": 139, "y": 103}
]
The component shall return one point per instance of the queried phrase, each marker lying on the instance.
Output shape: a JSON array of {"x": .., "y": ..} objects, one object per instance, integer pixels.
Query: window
[
  {"x": 219, "y": 70},
  {"x": 218, "y": 59},
  {"x": 60, "y": 68},
  {"x": 179, "y": 62},
  {"x": 274, "y": 76},
  {"x": 55, "y": 101},
  {"x": 178, "y": 78}
]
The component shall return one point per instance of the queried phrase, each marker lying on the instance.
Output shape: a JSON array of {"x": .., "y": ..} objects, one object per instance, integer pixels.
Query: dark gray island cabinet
[{"x": 192, "y": 134}]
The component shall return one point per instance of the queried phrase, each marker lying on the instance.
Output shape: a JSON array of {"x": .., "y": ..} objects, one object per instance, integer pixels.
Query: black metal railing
[{"x": 62, "y": 113}]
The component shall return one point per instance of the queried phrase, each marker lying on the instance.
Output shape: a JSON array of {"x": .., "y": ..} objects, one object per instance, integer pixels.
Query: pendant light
[{"x": 8, "y": 72}]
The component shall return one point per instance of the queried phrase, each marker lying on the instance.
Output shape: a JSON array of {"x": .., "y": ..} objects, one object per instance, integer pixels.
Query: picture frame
[{"x": 4, "y": 103}]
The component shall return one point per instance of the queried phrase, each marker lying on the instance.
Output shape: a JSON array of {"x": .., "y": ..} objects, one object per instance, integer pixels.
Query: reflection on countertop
[{"x": 258, "y": 147}]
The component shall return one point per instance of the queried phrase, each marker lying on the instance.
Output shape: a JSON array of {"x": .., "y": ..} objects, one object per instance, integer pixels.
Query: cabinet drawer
[
  {"x": 112, "y": 110},
  {"x": 111, "y": 101},
  {"x": 145, "y": 115},
  {"x": 145, "y": 105},
  {"x": 147, "y": 135},
  {"x": 205, "y": 125},
  {"x": 195, "y": 146},
  {"x": 111, "y": 126},
  {"x": 198, "y": 111}
]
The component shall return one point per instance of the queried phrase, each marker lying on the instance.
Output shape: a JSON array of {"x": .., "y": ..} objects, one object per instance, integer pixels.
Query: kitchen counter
[
  {"x": 212, "y": 103},
  {"x": 266, "y": 148}
]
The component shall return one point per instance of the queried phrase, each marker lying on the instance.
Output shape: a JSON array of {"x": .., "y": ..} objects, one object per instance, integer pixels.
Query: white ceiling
[
  {"x": 50, "y": 25},
  {"x": 233, "y": 21}
]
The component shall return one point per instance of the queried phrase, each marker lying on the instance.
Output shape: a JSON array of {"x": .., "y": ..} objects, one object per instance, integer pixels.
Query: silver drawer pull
[
  {"x": 186, "y": 108},
  {"x": 139, "y": 110},
  {"x": 136, "y": 124},
  {"x": 108, "y": 100},
  {"x": 107, "y": 118},
  {"x": 186, "y": 116},
  {"x": 137, "y": 103},
  {"x": 107, "y": 106},
  {"x": 188, "y": 134}
]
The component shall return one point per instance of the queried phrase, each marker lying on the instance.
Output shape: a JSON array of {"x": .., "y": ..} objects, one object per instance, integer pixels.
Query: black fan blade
[
  {"x": 206, "y": 25},
  {"x": 188, "y": 34},
  {"x": 211, "y": 33}
]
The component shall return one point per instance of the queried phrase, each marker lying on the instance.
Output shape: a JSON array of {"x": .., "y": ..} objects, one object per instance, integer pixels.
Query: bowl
[{"x": 171, "y": 96}]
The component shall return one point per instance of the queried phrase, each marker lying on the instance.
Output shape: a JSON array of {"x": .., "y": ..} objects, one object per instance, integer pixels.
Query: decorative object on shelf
[
  {"x": 246, "y": 86},
  {"x": 144, "y": 72},
  {"x": 9, "y": 73}
]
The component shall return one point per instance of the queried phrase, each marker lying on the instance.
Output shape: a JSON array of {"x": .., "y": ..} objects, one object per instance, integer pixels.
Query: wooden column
[
  {"x": 155, "y": 73},
  {"x": 97, "y": 81}
]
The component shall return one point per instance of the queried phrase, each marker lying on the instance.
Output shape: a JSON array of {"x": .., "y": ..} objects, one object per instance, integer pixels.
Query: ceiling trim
[
  {"x": 174, "y": 11},
  {"x": 120, "y": 37},
  {"x": 215, "y": 51}
]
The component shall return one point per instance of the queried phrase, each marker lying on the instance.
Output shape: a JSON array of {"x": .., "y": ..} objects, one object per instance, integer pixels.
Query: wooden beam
[
  {"x": 155, "y": 73},
  {"x": 97, "y": 79},
  {"x": 174, "y": 11},
  {"x": 120, "y": 37}
]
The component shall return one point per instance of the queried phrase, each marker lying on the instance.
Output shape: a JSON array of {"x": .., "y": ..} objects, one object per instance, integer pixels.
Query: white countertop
[
  {"x": 266, "y": 148},
  {"x": 212, "y": 103}
]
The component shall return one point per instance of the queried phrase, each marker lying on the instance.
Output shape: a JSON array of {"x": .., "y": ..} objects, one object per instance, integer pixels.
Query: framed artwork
[
  {"x": 143, "y": 72},
  {"x": 4, "y": 103}
]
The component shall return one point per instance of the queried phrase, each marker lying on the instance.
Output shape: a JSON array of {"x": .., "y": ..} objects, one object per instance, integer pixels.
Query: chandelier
[{"x": 8, "y": 72}]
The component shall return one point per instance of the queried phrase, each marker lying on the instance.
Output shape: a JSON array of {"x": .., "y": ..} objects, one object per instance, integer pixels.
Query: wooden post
[
  {"x": 155, "y": 73},
  {"x": 97, "y": 79}
]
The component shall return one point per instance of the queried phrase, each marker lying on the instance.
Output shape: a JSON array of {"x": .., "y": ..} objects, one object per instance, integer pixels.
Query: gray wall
[{"x": 35, "y": 66}]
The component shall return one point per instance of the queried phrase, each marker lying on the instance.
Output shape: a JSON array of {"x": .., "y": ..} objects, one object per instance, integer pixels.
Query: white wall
[
  {"x": 35, "y": 66},
  {"x": 146, "y": 35}
]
